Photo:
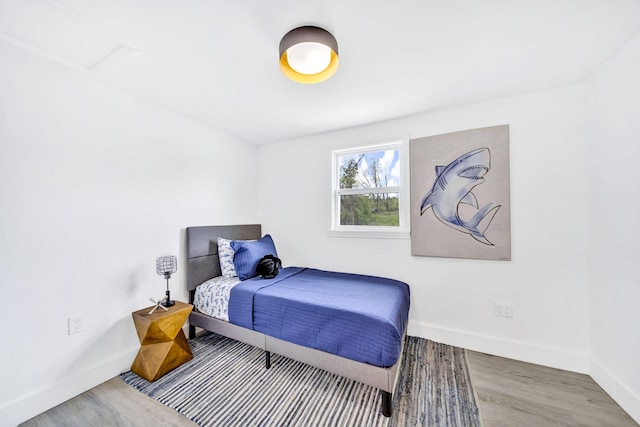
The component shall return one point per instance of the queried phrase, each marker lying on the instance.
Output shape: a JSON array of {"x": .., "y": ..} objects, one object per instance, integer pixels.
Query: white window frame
[{"x": 373, "y": 231}]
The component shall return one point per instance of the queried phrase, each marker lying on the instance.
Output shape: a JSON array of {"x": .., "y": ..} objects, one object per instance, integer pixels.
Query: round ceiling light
[{"x": 308, "y": 55}]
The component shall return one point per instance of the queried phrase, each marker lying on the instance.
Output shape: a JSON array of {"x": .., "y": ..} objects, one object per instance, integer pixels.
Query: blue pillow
[{"x": 248, "y": 254}]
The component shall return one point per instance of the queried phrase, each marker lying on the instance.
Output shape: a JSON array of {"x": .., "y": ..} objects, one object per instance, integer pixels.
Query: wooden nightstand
[{"x": 163, "y": 345}]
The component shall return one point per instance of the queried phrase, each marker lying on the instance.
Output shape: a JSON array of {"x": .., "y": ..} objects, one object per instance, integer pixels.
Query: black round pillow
[{"x": 269, "y": 266}]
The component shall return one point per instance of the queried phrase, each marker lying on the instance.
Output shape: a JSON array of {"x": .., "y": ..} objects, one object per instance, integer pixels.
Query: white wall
[
  {"x": 84, "y": 170},
  {"x": 94, "y": 185},
  {"x": 614, "y": 226},
  {"x": 452, "y": 300}
]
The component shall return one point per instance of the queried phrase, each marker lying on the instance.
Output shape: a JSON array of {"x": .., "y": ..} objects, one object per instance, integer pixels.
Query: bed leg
[
  {"x": 267, "y": 356},
  {"x": 192, "y": 332},
  {"x": 386, "y": 403}
]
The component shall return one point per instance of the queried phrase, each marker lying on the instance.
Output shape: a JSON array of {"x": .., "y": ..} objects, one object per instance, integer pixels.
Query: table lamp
[{"x": 167, "y": 265}]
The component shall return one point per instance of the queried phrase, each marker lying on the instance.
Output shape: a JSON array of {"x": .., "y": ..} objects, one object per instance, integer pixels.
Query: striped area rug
[{"x": 226, "y": 384}]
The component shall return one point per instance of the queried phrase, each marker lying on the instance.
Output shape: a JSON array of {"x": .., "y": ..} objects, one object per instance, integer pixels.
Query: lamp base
[{"x": 166, "y": 301}]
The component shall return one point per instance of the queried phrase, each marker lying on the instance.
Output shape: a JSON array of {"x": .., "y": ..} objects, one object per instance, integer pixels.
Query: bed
[{"x": 375, "y": 361}]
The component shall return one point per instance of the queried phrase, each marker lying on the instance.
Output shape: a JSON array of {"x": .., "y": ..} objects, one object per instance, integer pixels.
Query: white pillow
[{"x": 225, "y": 254}]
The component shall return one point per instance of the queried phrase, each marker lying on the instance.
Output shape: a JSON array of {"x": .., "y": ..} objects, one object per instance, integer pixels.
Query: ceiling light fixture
[{"x": 308, "y": 55}]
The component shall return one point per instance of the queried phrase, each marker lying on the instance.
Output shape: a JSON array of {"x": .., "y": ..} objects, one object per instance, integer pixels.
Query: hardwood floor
[
  {"x": 513, "y": 393},
  {"x": 510, "y": 393},
  {"x": 112, "y": 403}
]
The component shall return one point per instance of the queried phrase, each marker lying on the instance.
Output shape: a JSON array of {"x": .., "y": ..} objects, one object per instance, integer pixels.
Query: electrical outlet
[
  {"x": 502, "y": 309},
  {"x": 76, "y": 324}
]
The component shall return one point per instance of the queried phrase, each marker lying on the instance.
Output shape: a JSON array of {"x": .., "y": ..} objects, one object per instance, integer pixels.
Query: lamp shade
[
  {"x": 308, "y": 55},
  {"x": 166, "y": 265}
]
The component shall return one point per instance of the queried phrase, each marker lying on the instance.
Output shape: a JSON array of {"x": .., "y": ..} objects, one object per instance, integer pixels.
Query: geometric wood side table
[{"x": 163, "y": 345}]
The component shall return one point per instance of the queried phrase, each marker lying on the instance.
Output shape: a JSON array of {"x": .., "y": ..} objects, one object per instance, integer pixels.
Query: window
[{"x": 368, "y": 191}]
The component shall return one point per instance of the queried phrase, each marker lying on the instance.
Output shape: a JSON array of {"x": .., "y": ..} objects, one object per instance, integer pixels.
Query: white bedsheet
[{"x": 212, "y": 297}]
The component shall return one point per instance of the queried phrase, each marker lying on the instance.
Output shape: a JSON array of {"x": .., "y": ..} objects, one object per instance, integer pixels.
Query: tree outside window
[{"x": 367, "y": 192}]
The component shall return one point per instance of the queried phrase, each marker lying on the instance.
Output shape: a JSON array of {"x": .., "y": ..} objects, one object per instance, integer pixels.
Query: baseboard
[
  {"x": 616, "y": 388},
  {"x": 35, "y": 403},
  {"x": 526, "y": 352}
]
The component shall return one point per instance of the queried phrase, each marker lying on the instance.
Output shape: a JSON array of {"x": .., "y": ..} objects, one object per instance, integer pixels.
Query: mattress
[{"x": 358, "y": 317}]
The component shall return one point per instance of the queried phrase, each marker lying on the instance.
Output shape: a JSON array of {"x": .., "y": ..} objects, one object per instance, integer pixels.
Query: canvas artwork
[{"x": 460, "y": 200}]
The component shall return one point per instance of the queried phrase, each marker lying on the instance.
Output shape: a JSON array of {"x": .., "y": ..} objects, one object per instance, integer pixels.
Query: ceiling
[{"x": 216, "y": 61}]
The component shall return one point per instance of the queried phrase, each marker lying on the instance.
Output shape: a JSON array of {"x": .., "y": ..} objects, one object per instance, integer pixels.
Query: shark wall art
[
  {"x": 453, "y": 185},
  {"x": 460, "y": 194}
]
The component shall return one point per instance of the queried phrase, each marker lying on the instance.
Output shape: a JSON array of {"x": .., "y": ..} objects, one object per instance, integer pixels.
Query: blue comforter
[{"x": 354, "y": 316}]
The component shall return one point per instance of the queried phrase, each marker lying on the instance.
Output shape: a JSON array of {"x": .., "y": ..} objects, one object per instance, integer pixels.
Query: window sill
[{"x": 371, "y": 234}]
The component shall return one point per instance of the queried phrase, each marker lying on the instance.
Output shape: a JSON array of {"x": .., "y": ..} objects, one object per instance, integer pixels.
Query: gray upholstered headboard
[{"x": 202, "y": 249}]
